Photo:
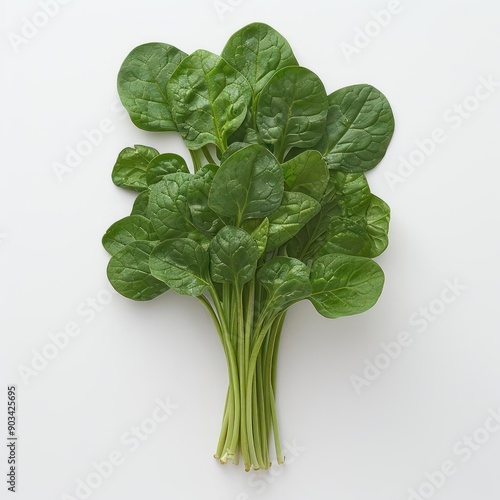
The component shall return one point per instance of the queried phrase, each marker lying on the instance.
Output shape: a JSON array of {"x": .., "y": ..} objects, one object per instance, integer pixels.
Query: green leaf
[
  {"x": 257, "y": 51},
  {"x": 168, "y": 208},
  {"x": 286, "y": 281},
  {"x": 209, "y": 99},
  {"x": 126, "y": 231},
  {"x": 161, "y": 165},
  {"x": 347, "y": 196},
  {"x": 141, "y": 203},
  {"x": 363, "y": 233},
  {"x": 129, "y": 273},
  {"x": 249, "y": 184},
  {"x": 233, "y": 256},
  {"x": 129, "y": 171},
  {"x": 260, "y": 235},
  {"x": 359, "y": 128},
  {"x": 292, "y": 110},
  {"x": 350, "y": 191},
  {"x": 182, "y": 264},
  {"x": 344, "y": 284},
  {"x": 142, "y": 82},
  {"x": 295, "y": 211},
  {"x": 306, "y": 173},
  {"x": 204, "y": 218}
]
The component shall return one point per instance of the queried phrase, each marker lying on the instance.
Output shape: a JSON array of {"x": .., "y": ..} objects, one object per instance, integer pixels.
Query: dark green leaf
[
  {"x": 129, "y": 273},
  {"x": 141, "y": 203},
  {"x": 364, "y": 233},
  {"x": 182, "y": 264},
  {"x": 260, "y": 235},
  {"x": 249, "y": 184},
  {"x": 306, "y": 173},
  {"x": 344, "y": 284},
  {"x": 286, "y": 281},
  {"x": 257, "y": 51},
  {"x": 204, "y": 218},
  {"x": 129, "y": 171},
  {"x": 233, "y": 256},
  {"x": 292, "y": 109},
  {"x": 126, "y": 231},
  {"x": 168, "y": 208},
  {"x": 161, "y": 165},
  {"x": 209, "y": 99},
  {"x": 142, "y": 82},
  {"x": 295, "y": 211},
  {"x": 359, "y": 128}
]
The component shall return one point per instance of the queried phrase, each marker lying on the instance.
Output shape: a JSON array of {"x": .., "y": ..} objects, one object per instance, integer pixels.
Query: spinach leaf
[
  {"x": 161, "y": 165},
  {"x": 209, "y": 99},
  {"x": 142, "y": 82},
  {"x": 233, "y": 256},
  {"x": 295, "y": 211},
  {"x": 127, "y": 230},
  {"x": 258, "y": 51},
  {"x": 286, "y": 281},
  {"x": 291, "y": 110},
  {"x": 359, "y": 128},
  {"x": 249, "y": 184},
  {"x": 129, "y": 171},
  {"x": 182, "y": 264},
  {"x": 344, "y": 284},
  {"x": 306, "y": 173},
  {"x": 128, "y": 271},
  {"x": 141, "y": 203},
  {"x": 204, "y": 218},
  {"x": 168, "y": 208}
]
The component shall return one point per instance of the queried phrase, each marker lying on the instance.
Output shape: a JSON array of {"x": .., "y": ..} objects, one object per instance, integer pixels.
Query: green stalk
[
  {"x": 208, "y": 156},
  {"x": 196, "y": 159},
  {"x": 230, "y": 448}
]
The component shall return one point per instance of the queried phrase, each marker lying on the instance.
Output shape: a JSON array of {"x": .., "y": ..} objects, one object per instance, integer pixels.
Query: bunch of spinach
[{"x": 277, "y": 210}]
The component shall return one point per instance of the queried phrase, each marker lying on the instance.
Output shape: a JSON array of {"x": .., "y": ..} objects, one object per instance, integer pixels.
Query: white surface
[{"x": 372, "y": 446}]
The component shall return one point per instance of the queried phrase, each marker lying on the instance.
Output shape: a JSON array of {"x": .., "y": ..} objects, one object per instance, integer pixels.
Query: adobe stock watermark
[
  {"x": 86, "y": 312},
  {"x": 260, "y": 480},
  {"x": 419, "y": 321},
  {"x": 76, "y": 153},
  {"x": 31, "y": 26},
  {"x": 363, "y": 36},
  {"x": 130, "y": 441},
  {"x": 453, "y": 117},
  {"x": 224, "y": 7},
  {"x": 464, "y": 450}
]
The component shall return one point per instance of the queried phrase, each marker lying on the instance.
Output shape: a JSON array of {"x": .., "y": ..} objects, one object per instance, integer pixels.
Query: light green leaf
[
  {"x": 344, "y": 284},
  {"x": 295, "y": 211},
  {"x": 306, "y": 173},
  {"x": 233, "y": 256},
  {"x": 142, "y": 82},
  {"x": 209, "y": 99},
  {"x": 161, "y": 165},
  {"x": 182, "y": 264},
  {"x": 249, "y": 184},
  {"x": 359, "y": 128},
  {"x": 292, "y": 109},
  {"x": 128, "y": 271},
  {"x": 286, "y": 281},
  {"x": 129, "y": 171},
  {"x": 126, "y": 231}
]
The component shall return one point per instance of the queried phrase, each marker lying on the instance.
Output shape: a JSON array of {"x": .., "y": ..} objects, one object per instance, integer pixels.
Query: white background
[{"x": 375, "y": 445}]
